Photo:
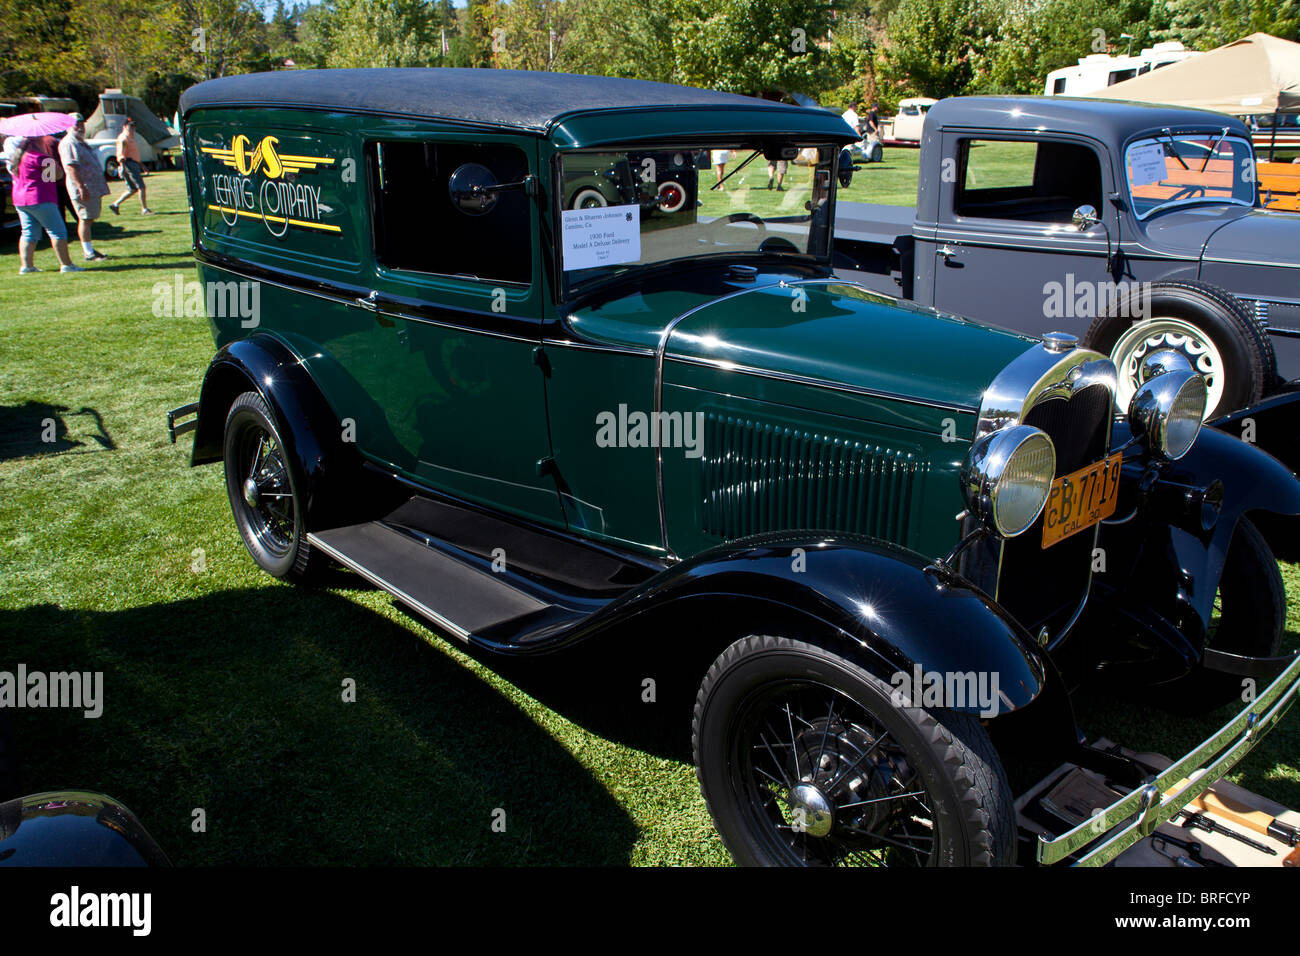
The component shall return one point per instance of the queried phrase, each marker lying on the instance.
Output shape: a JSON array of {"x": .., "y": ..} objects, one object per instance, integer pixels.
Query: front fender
[
  {"x": 1165, "y": 562},
  {"x": 889, "y": 609},
  {"x": 326, "y": 467}
]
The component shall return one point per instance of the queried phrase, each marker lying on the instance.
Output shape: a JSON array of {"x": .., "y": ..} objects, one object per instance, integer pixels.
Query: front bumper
[{"x": 1110, "y": 831}]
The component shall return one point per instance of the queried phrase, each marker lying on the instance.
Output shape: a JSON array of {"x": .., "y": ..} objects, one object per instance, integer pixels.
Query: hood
[
  {"x": 1259, "y": 236},
  {"x": 844, "y": 334},
  {"x": 1182, "y": 232}
]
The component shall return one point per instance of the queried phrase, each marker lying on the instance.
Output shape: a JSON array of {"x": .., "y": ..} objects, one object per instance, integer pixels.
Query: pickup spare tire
[{"x": 1209, "y": 326}]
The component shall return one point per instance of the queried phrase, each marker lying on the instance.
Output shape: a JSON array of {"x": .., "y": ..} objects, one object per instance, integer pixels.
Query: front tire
[
  {"x": 264, "y": 492},
  {"x": 804, "y": 760}
]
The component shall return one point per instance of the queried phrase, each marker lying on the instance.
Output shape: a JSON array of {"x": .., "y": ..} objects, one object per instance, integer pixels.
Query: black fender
[
  {"x": 1272, "y": 425},
  {"x": 74, "y": 828},
  {"x": 889, "y": 609},
  {"x": 327, "y": 469},
  {"x": 1164, "y": 562}
]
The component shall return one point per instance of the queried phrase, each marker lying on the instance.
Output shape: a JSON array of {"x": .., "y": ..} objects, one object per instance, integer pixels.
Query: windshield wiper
[
  {"x": 1173, "y": 148},
  {"x": 1213, "y": 149},
  {"x": 749, "y": 159}
]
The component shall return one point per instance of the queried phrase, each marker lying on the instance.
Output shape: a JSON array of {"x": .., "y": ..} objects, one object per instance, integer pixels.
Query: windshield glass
[
  {"x": 1165, "y": 171},
  {"x": 624, "y": 210}
]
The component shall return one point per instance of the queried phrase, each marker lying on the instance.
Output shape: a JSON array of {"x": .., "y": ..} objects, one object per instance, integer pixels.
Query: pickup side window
[
  {"x": 1026, "y": 181},
  {"x": 418, "y": 228}
]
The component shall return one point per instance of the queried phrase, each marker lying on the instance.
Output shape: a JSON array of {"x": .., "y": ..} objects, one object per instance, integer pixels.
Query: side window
[
  {"x": 418, "y": 227},
  {"x": 1026, "y": 181},
  {"x": 1058, "y": 85}
]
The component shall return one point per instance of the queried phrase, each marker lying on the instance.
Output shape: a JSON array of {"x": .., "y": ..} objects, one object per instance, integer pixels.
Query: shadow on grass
[
  {"x": 233, "y": 703},
  {"x": 39, "y": 428}
]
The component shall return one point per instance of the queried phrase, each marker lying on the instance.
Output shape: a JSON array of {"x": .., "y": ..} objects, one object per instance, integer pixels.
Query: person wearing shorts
[
  {"x": 36, "y": 197},
  {"x": 86, "y": 184},
  {"x": 128, "y": 161}
]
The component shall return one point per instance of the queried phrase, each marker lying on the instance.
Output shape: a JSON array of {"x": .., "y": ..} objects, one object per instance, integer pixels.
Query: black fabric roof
[
  {"x": 1108, "y": 120},
  {"x": 513, "y": 98}
]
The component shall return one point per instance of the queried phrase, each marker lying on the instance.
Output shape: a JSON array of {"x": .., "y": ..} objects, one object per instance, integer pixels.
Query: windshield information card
[{"x": 601, "y": 236}]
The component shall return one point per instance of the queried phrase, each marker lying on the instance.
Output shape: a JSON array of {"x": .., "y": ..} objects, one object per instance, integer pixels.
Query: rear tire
[
  {"x": 1209, "y": 326},
  {"x": 1252, "y": 621},
  {"x": 861, "y": 781},
  {"x": 265, "y": 493}
]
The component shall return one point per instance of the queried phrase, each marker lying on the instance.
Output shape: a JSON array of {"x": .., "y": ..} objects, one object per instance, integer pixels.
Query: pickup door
[{"x": 1004, "y": 250}]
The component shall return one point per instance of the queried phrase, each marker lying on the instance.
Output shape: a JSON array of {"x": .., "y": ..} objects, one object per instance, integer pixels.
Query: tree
[
  {"x": 380, "y": 33},
  {"x": 936, "y": 47},
  {"x": 614, "y": 38}
]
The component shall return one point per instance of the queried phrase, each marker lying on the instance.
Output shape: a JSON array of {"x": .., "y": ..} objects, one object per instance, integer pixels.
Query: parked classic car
[
  {"x": 661, "y": 180},
  {"x": 1136, "y": 227},
  {"x": 539, "y": 427}
]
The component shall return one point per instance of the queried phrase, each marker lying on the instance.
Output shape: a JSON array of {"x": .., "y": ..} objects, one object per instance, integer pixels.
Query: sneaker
[
  {"x": 27, "y": 269},
  {"x": 116, "y": 211},
  {"x": 96, "y": 256},
  {"x": 71, "y": 268},
  {"x": 147, "y": 212}
]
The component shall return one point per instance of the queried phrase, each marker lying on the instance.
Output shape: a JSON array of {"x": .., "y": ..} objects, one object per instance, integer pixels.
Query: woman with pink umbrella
[{"x": 36, "y": 173}]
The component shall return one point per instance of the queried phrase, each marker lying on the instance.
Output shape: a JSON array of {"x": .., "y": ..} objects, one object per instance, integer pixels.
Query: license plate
[{"x": 1080, "y": 499}]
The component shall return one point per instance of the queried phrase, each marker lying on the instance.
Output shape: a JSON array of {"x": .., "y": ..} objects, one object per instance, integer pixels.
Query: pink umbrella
[{"x": 35, "y": 124}]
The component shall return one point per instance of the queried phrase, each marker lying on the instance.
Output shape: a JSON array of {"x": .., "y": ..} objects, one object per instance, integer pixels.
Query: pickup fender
[
  {"x": 885, "y": 607},
  {"x": 327, "y": 468}
]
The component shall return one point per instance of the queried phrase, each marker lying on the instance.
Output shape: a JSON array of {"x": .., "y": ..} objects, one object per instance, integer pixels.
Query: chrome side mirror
[{"x": 1085, "y": 217}]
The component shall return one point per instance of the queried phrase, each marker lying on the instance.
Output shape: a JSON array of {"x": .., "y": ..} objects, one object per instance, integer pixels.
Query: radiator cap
[{"x": 1060, "y": 341}]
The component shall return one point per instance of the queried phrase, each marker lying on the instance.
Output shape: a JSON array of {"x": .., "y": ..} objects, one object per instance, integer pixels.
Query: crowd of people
[{"x": 42, "y": 166}]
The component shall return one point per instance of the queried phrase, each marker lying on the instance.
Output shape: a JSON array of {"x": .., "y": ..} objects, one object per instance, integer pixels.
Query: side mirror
[
  {"x": 846, "y": 168},
  {"x": 1085, "y": 217},
  {"x": 471, "y": 189}
]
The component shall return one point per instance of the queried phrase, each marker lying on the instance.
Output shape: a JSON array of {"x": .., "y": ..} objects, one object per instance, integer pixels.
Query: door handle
[
  {"x": 946, "y": 252},
  {"x": 371, "y": 303}
]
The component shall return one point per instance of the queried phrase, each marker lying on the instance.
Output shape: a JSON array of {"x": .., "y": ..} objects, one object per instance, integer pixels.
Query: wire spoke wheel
[
  {"x": 267, "y": 494},
  {"x": 822, "y": 778}
]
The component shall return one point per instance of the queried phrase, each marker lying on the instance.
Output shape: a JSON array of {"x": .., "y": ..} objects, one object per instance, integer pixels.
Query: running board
[{"x": 466, "y": 602}]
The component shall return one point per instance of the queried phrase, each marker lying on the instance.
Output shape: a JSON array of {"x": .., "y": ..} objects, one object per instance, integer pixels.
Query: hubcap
[
  {"x": 811, "y": 810},
  {"x": 1143, "y": 338},
  {"x": 252, "y": 497}
]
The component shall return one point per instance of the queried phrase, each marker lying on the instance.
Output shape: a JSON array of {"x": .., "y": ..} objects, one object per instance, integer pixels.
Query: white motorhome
[{"x": 1101, "y": 70}]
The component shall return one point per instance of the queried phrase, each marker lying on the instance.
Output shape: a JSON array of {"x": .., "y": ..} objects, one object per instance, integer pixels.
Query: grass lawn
[{"x": 223, "y": 687}]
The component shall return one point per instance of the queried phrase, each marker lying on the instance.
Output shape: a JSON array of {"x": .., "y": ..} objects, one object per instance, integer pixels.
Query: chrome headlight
[
  {"x": 1167, "y": 408},
  {"x": 1007, "y": 476}
]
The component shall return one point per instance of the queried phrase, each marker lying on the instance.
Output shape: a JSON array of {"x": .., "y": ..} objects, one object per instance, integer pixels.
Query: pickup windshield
[
  {"x": 1172, "y": 170},
  {"x": 627, "y": 209}
]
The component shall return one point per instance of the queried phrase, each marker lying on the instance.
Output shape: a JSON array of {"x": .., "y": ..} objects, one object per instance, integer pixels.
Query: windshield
[
  {"x": 1165, "y": 171},
  {"x": 624, "y": 210}
]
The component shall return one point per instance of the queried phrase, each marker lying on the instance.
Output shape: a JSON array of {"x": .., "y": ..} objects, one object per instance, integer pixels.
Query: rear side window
[
  {"x": 419, "y": 229},
  {"x": 1026, "y": 181}
]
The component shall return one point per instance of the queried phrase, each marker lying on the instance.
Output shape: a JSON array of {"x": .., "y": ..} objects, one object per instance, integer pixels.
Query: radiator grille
[
  {"x": 763, "y": 477},
  {"x": 1044, "y": 586}
]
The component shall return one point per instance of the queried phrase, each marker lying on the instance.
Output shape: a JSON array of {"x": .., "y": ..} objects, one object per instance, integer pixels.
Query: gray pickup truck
[{"x": 1137, "y": 227}]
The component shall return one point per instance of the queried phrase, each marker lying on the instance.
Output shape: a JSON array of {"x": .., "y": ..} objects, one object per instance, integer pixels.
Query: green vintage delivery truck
[{"x": 886, "y": 543}]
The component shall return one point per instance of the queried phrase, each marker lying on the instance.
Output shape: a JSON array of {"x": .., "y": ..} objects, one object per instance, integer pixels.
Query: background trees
[{"x": 840, "y": 52}]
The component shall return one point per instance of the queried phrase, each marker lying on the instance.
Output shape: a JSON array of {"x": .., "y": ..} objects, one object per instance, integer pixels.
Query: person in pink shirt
[{"x": 36, "y": 174}]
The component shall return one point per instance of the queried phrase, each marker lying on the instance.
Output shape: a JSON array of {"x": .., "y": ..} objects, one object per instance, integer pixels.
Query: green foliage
[
  {"x": 381, "y": 33},
  {"x": 936, "y": 46}
]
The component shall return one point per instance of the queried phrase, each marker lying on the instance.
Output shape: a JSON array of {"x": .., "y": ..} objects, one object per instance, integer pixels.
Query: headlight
[
  {"x": 1007, "y": 476},
  {"x": 1166, "y": 410}
]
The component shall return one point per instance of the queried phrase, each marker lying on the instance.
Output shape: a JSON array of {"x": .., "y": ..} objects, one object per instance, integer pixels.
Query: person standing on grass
[
  {"x": 128, "y": 162},
  {"x": 36, "y": 174},
  {"x": 86, "y": 184}
]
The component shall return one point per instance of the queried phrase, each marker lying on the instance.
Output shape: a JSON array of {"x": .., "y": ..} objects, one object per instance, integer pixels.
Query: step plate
[{"x": 463, "y": 600}]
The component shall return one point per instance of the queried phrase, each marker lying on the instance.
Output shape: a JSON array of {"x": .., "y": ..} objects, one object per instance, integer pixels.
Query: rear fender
[{"x": 326, "y": 467}]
